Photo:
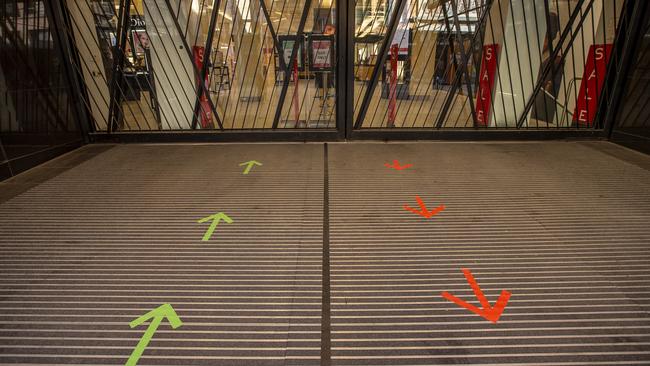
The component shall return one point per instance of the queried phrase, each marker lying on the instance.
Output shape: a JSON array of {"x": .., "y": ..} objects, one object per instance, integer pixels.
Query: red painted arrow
[
  {"x": 489, "y": 312},
  {"x": 423, "y": 209},
  {"x": 396, "y": 165}
]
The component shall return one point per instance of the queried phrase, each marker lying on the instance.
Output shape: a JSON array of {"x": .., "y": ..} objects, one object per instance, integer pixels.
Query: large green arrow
[
  {"x": 158, "y": 314},
  {"x": 249, "y": 166},
  {"x": 216, "y": 218}
]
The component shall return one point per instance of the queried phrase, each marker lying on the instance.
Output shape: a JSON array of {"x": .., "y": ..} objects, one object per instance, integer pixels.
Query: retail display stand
[
  {"x": 321, "y": 54},
  {"x": 286, "y": 43},
  {"x": 220, "y": 74},
  {"x": 403, "y": 66},
  {"x": 394, "y": 53},
  {"x": 220, "y": 78}
]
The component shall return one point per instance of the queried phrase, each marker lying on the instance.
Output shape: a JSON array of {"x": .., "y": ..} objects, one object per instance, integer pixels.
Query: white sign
[
  {"x": 322, "y": 54},
  {"x": 401, "y": 38}
]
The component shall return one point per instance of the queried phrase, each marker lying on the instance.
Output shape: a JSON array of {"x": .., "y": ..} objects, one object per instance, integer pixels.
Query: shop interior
[{"x": 251, "y": 80}]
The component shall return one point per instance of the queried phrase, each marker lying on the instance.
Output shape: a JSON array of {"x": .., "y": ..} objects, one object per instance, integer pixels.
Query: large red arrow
[
  {"x": 489, "y": 312},
  {"x": 423, "y": 209},
  {"x": 396, "y": 165}
]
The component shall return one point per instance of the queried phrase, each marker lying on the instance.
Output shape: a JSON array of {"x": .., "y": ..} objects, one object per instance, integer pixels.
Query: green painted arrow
[
  {"x": 158, "y": 314},
  {"x": 249, "y": 166},
  {"x": 216, "y": 218}
]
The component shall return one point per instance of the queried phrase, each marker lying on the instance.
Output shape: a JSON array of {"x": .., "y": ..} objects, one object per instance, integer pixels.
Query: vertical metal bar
[
  {"x": 255, "y": 24},
  {"x": 37, "y": 87},
  {"x": 137, "y": 88},
  {"x": 563, "y": 83},
  {"x": 472, "y": 57},
  {"x": 326, "y": 81},
  {"x": 441, "y": 56},
  {"x": 345, "y": 29},
  {"x": 276, "y": 47},
  {"x": 418, "y": 59},
  {"x": 232, "y": 41},
  {"x": 541, "y": 55},
  {"x": 63, "y": 44},
  {"x": 151, "y": 80},
  {"x": 243, "y": 15},
  {"x": 188, "y": 50},
  {"x": 547, "y": 69},
  {"x": 274, "y": 35},
  {"x": 409, "y": 36},
  {"x": 573, "y": 54},
  {"x": 594, "y": 42},
  {"x": 506, "y": 53},
  {"x": 292, "y": 59},
  {"x": 95, "y": 42},
  {"x": 459, "y": 73},
  {"x": 156, "y": 94},
  {"x": 470, "y": 95},
  {"x": 204, "y": 70},
  {"x": 382, "y": 28},
  {"x": 261, "y": 55},
  {"x": 114, "y": 111},
  {"x": 294, "y": 66},
  {"x": 493, "y": 103},
  {"x": 280, "y": 59},
  {"x": 383, "y": 54},
  {"x": 517, "y": 53},
  {"x": 630, "y": 31}
]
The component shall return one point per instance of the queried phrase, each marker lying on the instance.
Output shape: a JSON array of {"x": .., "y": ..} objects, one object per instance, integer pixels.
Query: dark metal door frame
[{"x": 626, "y": 51}]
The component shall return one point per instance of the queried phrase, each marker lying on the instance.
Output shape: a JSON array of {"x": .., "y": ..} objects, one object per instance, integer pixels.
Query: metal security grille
[
  {"x": 627, "y": 116},
  {"x": 37, "y": 112},
  {"x": 225, "y": 64},
  {"x": 171, "y": 65},
  {"x": 482, "y": 63}
]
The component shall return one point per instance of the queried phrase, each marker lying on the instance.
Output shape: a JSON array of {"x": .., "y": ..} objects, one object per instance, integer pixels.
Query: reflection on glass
[
  {"x": 442, "y": 77},
  {"x": 36, "y": 112},
  {"x": 172, "y": 79}
]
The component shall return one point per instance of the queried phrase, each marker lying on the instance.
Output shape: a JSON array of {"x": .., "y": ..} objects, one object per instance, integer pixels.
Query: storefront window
[
  {"x": 447, "y": 75},
  {"x": 36, "y": 110},
  {"x": 184, "y": 64},
  {"x": 243, "y": 76}
]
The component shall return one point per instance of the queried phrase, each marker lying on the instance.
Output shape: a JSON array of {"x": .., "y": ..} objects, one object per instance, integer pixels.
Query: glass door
[
  {"x": 261, "y": 65},
  {"x": 158, "y": 65},
  {"x": 475, "y": 64}
]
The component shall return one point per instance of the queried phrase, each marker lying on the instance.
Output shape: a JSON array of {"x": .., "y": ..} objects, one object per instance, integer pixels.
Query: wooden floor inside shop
[{"x": 306, "y": 106}]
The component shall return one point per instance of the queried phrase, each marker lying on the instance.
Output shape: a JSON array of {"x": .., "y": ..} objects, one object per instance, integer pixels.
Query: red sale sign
[
  {"x": 206, "y": 112},
  {"x": 592, "y": 84},
  {"x": 486, "y": 83},
  {"x": 394, "y": 54}
]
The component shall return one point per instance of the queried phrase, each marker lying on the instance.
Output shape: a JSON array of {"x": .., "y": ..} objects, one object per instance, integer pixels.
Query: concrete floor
[{"x": 322, "y": 264}]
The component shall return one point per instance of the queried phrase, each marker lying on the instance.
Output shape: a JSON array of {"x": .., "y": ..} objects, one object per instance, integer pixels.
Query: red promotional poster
[
  {"x": 296, "y": 89},
  {"x": 206, "y": 112},
  {"x": 394, "y": 53},
  {"x": 592, "y": 84},
  {"x": 486, "y": 83}
]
